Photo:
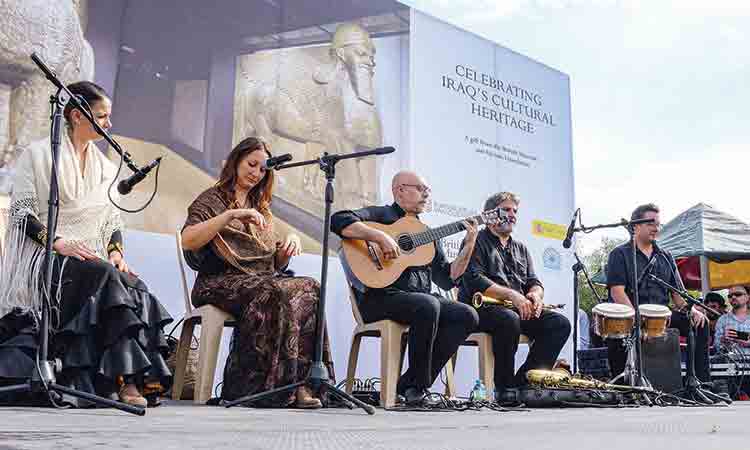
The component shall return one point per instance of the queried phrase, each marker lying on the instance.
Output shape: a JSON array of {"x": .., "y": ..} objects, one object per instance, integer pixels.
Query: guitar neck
[{"x": 435, "y": 234}]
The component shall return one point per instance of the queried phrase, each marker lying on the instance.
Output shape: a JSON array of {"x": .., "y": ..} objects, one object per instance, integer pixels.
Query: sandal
[
  {"x": 305, "y": 400},
  {"x": 126, "y": 396}
]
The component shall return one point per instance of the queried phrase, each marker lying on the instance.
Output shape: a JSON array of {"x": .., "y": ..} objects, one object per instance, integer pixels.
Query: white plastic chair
[
  {"x": 391, "y": 334},
  {"x": 212, "y": 321},
  {"x": 483, "y": 343}
]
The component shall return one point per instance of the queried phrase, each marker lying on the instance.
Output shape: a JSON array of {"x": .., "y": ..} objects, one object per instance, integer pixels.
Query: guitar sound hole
[{"x": 406, "y": 243}]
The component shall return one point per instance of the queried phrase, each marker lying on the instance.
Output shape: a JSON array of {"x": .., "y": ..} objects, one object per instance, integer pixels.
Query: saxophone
[
  {"x": 562, "y": 379},
  {"x": 478, "y": 300}
]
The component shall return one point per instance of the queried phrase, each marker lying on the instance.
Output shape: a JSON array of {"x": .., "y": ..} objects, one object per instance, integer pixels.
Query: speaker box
[{"x": 661, "y": 361}]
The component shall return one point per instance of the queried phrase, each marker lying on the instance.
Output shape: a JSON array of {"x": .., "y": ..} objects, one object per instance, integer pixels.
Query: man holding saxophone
[{"x": 501, "y": 268}]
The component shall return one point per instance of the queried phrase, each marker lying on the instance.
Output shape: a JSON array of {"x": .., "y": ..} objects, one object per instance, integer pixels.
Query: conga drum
[
  {"x": 654, "y": 320},
  {"x": 613, "y": 320}
]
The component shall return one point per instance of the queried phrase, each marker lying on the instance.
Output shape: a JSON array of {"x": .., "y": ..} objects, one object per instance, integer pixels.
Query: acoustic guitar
[{"x": 366, "y": 262}]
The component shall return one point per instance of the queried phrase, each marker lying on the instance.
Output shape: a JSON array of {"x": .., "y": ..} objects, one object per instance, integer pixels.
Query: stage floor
[{"x": 179, "y": 425}]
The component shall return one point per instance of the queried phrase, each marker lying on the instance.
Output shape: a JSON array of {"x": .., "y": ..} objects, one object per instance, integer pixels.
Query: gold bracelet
[
  {"x": 42, "y": 236},
  {"x": 115, "y": 246}
]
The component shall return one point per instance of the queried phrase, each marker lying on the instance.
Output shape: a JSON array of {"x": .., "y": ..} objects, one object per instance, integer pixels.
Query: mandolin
[{"x": 367, "y": 263}]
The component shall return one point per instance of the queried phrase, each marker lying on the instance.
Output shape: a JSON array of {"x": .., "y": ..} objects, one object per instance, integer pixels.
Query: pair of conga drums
[{"x": 615, "y": 321}]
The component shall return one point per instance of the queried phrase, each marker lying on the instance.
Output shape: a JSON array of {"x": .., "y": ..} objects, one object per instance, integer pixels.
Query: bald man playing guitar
[{"x": 437, "y": 326}]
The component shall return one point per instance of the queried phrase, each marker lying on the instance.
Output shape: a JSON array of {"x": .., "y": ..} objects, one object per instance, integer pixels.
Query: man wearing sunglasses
[
  {"x": 733, "y": 329},
  {"x": 437, "y": 326},
  {"x": 662, "y": 265},
  {"x": 501, "y": 267}
]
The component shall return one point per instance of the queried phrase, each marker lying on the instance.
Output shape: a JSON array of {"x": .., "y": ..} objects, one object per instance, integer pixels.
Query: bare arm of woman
[{"x": 200, "y": 234}]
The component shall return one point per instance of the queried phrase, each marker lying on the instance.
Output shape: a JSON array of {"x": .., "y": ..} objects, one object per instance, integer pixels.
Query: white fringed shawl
[{"x": 85, "y": 215}]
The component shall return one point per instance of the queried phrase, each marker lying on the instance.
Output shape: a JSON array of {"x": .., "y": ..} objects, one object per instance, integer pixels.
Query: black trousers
[
  {"x": 437, "y": 327},
  {"x": 618, "y": 354},
  {"x": 549, "y": 332}
]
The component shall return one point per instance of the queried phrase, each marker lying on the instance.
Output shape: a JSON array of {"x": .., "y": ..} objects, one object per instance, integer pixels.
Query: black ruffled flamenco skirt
[{"x": 107, "y": 325}]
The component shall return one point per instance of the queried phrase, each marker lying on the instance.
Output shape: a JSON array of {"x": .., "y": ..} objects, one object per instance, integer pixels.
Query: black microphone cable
[
  {"x": 119, "y": 170},
  {"x": 115, "y": 180}
]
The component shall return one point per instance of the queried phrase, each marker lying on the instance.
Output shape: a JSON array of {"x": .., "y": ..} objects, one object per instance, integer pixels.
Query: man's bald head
[
  {"x": 410, "y": 191},
  {"x": 404, "y": 177}
]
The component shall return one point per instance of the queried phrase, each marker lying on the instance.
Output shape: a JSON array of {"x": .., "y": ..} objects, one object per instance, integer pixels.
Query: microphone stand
[
  {"x": 693, "y": 389},
  {"x": 633, "y": 371},
  {"x": 577, "y": 268},
  {"x": 126, "y": 158},
  {"x": 318, "y": 378},
  {"x": 76, "y": 102},
  {"x": 43, "y": 378}
]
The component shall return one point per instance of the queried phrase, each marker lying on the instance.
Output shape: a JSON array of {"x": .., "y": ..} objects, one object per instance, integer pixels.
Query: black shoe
[
  {"x": 508, "y": 397},
  {"x": 414, "y": 396},
  {"x": 717, "y": 387}
]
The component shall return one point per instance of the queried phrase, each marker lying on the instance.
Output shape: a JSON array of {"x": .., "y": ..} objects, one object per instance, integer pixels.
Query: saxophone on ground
[{"x": 562, "y": 379}]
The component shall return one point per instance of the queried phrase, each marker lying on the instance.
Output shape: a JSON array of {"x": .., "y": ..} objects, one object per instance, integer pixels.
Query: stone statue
[
  {"x": 54, "y": 30},
  {"x": 308, "y": 100}
]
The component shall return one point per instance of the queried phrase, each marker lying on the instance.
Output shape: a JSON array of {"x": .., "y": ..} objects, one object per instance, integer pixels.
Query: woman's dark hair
[
  {"x": 87, "y": 92},
  {"x": 259, "y": 196}
]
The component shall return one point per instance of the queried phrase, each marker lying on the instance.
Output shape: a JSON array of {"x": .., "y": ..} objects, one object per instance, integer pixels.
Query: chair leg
[
  {"x": 390, "y": 349},
  {"x": 450, "y": 384},
  {"x": 404, "y": 341},
  {"x": 487, "y": 364},
  {"x": 183, "y": 348},
  {"x": 351, "y": 371},
  {"x": 212, "y": 326}
]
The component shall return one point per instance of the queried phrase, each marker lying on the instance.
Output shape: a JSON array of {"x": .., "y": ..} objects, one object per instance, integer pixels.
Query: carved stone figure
[
  {"x": 53, "y": 29},
  {"x": 308, "y": 100}
]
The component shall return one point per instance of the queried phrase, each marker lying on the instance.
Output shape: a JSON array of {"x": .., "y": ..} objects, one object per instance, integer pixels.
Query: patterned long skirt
[{"x": 274, "y": 340}]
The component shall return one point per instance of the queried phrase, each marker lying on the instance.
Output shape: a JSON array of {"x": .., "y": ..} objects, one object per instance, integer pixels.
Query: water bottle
[
  {"x": 483, "y": 390},
  {"x": 479, "y": 392}
]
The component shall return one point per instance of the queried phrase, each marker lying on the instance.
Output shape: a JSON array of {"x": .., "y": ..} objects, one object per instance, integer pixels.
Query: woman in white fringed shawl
[{"x": 108, "y": 329}]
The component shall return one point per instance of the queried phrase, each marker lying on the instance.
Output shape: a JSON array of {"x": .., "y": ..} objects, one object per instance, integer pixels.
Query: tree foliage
[{"x": 595, "y": 263}]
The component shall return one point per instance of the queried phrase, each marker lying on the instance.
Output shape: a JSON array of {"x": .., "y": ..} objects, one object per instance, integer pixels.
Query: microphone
[
  {"x": 651, "y": 261},
  {"x": 125, "y": 186},
  {"x": 271, "y": 163},
  {"x": 383, "y": 150},
  {"x": 569, "y": 234}
]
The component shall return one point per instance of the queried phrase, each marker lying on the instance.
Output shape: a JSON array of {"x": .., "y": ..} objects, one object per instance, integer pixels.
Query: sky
[{"x": 660, "y": 92}]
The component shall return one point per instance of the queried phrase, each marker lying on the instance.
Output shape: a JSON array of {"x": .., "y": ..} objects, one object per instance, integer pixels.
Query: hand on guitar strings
[{"x": 388, "y": 247}]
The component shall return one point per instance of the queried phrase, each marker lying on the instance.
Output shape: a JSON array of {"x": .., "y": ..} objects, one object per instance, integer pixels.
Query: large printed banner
[
  {"x": 485, "y": 119},
  {"x": 474, "y": 118}
]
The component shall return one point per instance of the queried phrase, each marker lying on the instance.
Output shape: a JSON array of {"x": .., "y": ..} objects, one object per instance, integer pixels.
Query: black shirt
[
  {"x": 510, "y": 266},
  {"x": 620, "y": 273},
  {"x": 414, "y": 279}
]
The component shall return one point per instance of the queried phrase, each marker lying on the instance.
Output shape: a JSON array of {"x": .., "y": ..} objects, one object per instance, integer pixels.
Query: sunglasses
[
  {"x": 509, "y": 209},
  {"x": 736, "y": 294}
]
